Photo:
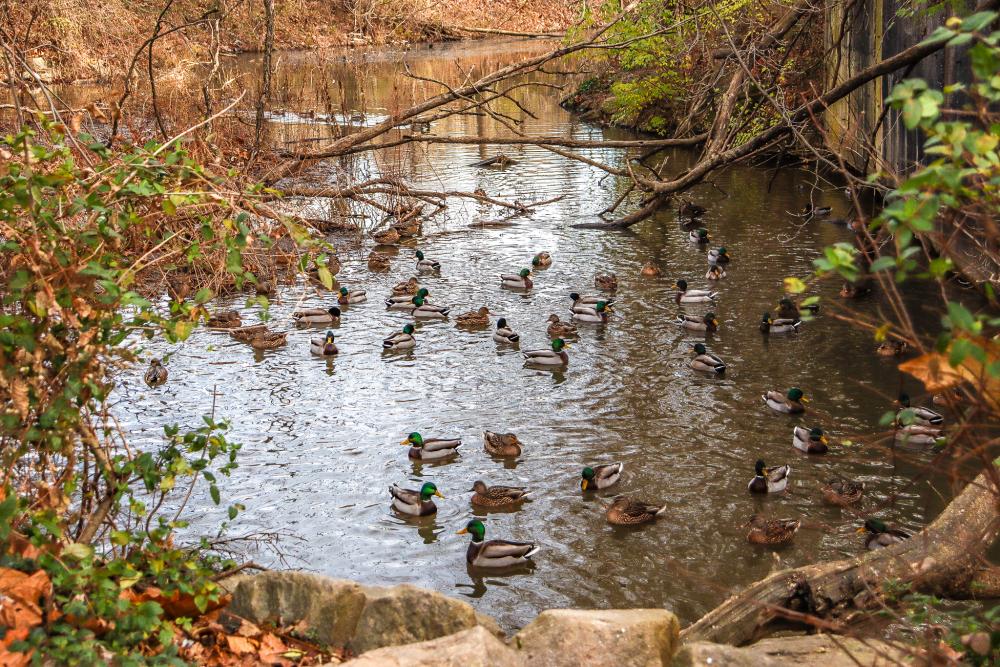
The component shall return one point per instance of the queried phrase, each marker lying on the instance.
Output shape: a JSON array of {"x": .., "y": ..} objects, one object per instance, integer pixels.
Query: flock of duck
[{"x": 917, "y": 425}]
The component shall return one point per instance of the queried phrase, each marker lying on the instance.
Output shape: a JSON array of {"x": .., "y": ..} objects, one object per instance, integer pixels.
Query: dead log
[{"x": 946, "y": 559}]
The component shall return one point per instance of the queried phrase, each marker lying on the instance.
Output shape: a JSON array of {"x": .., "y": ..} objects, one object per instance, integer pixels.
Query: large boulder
[
  {"x": 819, "y": 650},
  {"x": 405, "y": 614},
  {"x": 475, "y": 647},
  {"x": 599, "y": 638}
]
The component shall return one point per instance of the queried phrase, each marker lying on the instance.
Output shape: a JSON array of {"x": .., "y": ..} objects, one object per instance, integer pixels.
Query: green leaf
[
  {"x": 78, "y": 551},
  {"x": 794, "y": 285},
  {"x": 978, "y": 21},
  {"x": 214, "y": 491},
  {"x": 883, "y": 263},
  {"x": 325, "y": 277}
]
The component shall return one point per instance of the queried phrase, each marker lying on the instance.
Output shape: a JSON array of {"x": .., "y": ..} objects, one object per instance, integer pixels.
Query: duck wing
[
  {"x": 440, "y": 444},
  {"x": 407, "y": 496},
  {"x": 506, "y": 492},
  {"x": 507, "y": 549},
  {"x": 608, "y": 471},
  {"x": 309, "y": 312},
  {"x": 778, "y": 475}
]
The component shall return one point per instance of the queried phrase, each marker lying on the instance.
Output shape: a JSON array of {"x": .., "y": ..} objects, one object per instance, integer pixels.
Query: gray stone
[
  {"x": 330, "y": 607},
  {"x": 490, "y": 624},
  {"x": 475, "y": 647},
  {"x": 405, "y": 614},
  {"x": 599, "y": 638},
  {"x": 818, "y": 650}
]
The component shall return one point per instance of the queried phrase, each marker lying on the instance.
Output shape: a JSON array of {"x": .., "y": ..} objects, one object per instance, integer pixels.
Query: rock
[
  {"x": 330, "y": 607},
  {"x": 819, "y": 650},
  {"x": 475, "y": 647},
  {"x": 405, "y": 614},
  {"x": 599, "y": 638},
  {"x": 490, "y": 624}
]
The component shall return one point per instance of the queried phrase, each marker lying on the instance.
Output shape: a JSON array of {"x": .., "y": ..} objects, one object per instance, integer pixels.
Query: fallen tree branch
[{"x": 509, "y": 33}]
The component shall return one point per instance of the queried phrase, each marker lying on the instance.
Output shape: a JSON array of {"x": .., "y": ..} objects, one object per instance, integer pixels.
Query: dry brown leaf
[
  {"x": 240, "y": 645},
  {"x": 247, "y": 629},
  {"x": 19, "y": 397},
  {"x": 933, "y": 370}
]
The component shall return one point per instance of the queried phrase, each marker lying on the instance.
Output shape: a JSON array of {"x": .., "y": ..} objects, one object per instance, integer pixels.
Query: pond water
[{"x": 321, "y": 437}]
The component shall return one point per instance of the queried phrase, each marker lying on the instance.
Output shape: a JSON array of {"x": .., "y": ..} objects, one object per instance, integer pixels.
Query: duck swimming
[
  {"x": 771, "y": 531},
  {"x": 706, "y": 362},
  {"x": 430, "y": 449},
  {"x": 555, "y": 356},
  {"x": 706, "y": 322},
  {"x": 425, "y": 265},
  {"x": 789, "y": 403},
  {"x": 407, "y": 287},
  {"x": 719, "y": 256},
  {"x": 495, "y": 553},
  {"x": 769, "y": 480},
  {"x": 650, "y": 270},
  {"x": 842, "y": 492},
  {"x": 810, "y": 441},
  {"x": 405, "y": 301},
  {"x": 625, "y": 511},
  {"x": 685, "y": 295},
  {"x": 497, "y": 496},
  {"x": 599, "y": 313},
  {"x": 916, "y": 415},
  {"x": 699, "y": 236},
  {"x": 156, "y": 375},
  {"x": 601, "y": 476},
  {"x": 769, "y": 325},
  {"x": 351, "y": 296},
  {"x": 879, "y": 535},
  {"x": 474, "y": 318},
  {"x": 310, "y": 316},
  {"x": 323, "y": 347},
  {"x": 424, "y": 310},
  {"x": 715, "y": 272},
  {"x": 501, "y": 444},
  {"x": 558, "y": 328},
  {"x": 608, "y": 282},
  {"x": 504, "y": 334},
  {"x": 542, "y": 260},
  {"x": 415, "y": 503},
  {"x": 521, "y": 280},
  {"x": 403, "y": 340}
]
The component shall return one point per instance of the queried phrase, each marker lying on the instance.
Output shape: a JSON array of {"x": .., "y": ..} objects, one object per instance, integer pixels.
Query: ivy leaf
[
  {"x": 794, "y": 285},
  {"x": 213, "y": 490}
]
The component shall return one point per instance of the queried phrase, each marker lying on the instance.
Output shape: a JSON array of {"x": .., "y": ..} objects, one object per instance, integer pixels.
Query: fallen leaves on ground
[{"x": 23, "y": 598}]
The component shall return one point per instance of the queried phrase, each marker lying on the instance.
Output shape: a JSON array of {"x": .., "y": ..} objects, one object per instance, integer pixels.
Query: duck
[
  {"x": 559, "y": 329},
  {"x": 787, "y": 310},
  {"x": 495, "y": 553},
  {"x": 431, "y": 449},
  {"x": 386, "y": 237},
  {"x": 403, "y": 340},
  {"x": 769, "y": 325},
  {"x": 948, "y": 397},
  {"x": 842, "y": 492},
  {"x": 917, "y": 434},
  {"x": 608, "y": 282},
  {"x": 415, "y": 503},
  {"x": 408, "y": 228},
  {"x": 891, "y": 348},
  {"x": 715, "y": 272},
  {"x": 771, "y": 531},
  {"x": 769, "y": 480},
  {"x": 474, "y": 318},
  {"x": 351, "y": 296},
  {"x": 245, "y": 334},
  {"x": 685, "y": 295},
  {"x": 879, "y": 535},
  {"x": 810, "y": 441},
  {"x": 542, "y": 260},
  {"x": 916, "y": 415},
  {"x": 856, "y": 290},
  {"x": 689, "y": 209},
  {"x": 229, "y": 319},
  {"x": 425, "y": 265},
  {"x": 819, "y": 211},
  {"x": 719, "y": 256},
  {"x": 407, "y": 287},
  {"x": 156, "y": 374},
  {"x": 555, "y": 356},
  {"x": 424, "y": 310},
  {"x": 323, "y": 347},
  {"x": 588, "y": 299},
  {"x": 520, "y": 280},
  {"x": 269, "y": 340},
  {"x": 379, "y": 261},
  {"x": 497, "y": 496},
  {"x": 317, "y": 316},
  {"x": 706, "y": 322},
  {"x": 699, "y": 236},
  {"x": 650, "y": 270},
  {"x": 789, "y": 403},
  {"x": 501, "y": 444},
  {"x": 625, "y": 511},
  {"x": 503, "y": 333},
  {"x": 405, "y": 301},
  {"x": 599, "y": 313},
  {"x": 706, "y": 362},
  {"x": 594, "y": 478}
]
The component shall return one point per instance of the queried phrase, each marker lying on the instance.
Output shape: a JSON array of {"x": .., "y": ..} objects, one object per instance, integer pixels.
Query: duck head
[
  {"x": 476, "y": 529},
  {"x": 429, "y": 489}
]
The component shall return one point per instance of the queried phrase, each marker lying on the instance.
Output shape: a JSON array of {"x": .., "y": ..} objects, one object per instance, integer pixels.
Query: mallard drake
[
  {"x": 842, "y": 492},
  {"x": 323, "y": 347},
  {"x": 719, "y": 256},
  {"x": 650, "y": 270},
  {"x": 587, "y": 299},
  {"x": 495, "y": 553},
  {"x": 787, "y": 310},
  {"x": 688, "y": 209},
  {"x": 706, "y": 362},
  {"x": 880, "y": 535},
  {"x": 771, "y": 531},
  {"x": 916, "y": 415},
  {"x": 317, "y": 316},
  {"x": 425, "y": 265},
  {"x": 407, "y": 287},
  {"x": 403, "y": 340},
  {"x": 769, "y": 325},
  {"x": 542, "y": 260},
  {"x": 789, "y": 403},
  {"x": 856, "y": 290},
  {"x": 415, "y": 503},
  {"x": 601, "y": 476},
  {"x": 432, "y": 449},
  {"x": 245, "y": 334},
  {"x": 558, "y": 328},
  {"x": 819, "y": 211},
  {"x": 917, "y": 434},
  {"x": 269, "y": 340},
  {"x": 501, "y": 444},
  {"x": 405, "y": 301},
  {"x": 503, "y": 333},
  {"x": 225, "y": 320},
  {"x": 351, "y": 296},
  {"x": 156, "y": 374},
  {"x": 497, "y": 496},
  {"x": 769, "y": 480},
  {"x": 715, "y": 272},
  {"x": 379, "y": 261},
  {"x": 521, "y": 280},
  {"x": 810, "y": 441},
  {"x": 598, "y": 313},
  {"x": 607, "y": 282},
  {"x": 555, "y": 356},
  {"x": 625, "y": 511},
  {"x": 424, "y": 310},
  {"x": 699, "y": 236},
  {"x": 386, "y": 237},
  {"x": 474, "y": 318},
  {"x": 685, "y": 295},
  {"x": 706, "y": 322},
  {"x": 891, "y": 348}
]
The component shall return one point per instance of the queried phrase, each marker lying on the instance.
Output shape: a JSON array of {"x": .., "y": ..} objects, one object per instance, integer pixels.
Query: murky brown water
[{"x": 321, "y": 437}]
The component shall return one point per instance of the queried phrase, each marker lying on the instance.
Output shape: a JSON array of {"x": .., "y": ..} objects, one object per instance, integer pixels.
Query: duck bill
[
  {"x": 583, "y": 485},
  {"x": 825, "y": 440},
  {"x": 463, "y": 531},
  {"x": 804, "y": 399},
  {"x": 860, "y": 530},
  {"x": 439, "y": 494},
  {"x": 405, "y": 442}
]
